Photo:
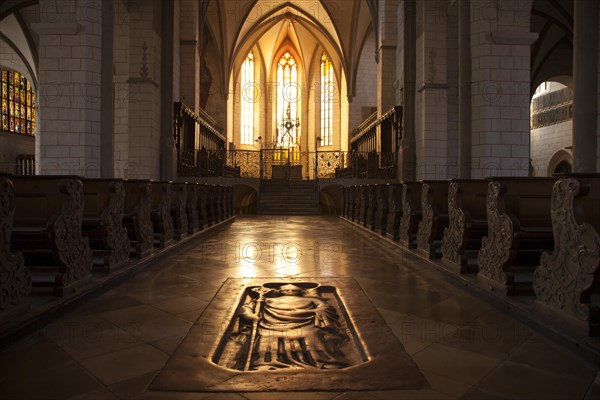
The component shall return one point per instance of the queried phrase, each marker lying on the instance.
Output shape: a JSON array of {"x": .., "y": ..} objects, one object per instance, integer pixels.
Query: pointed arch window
[
  {"x": 287, "y": 101},
  {"x": 326, "y": 101},
  {"x": 247, "y": 103},
  {"x": 17, "y": 112}
]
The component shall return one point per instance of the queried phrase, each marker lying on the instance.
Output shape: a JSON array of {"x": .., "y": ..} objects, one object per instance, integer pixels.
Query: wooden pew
[
  {"x": 15, "y": 279},
  {"x": 47, "y": 230},
  {"x": 344, "y": 202},
  {"x": 395, "y": 211},
  {"x": 203, "y": 205},
  {"x": 357, "y": 203},
  {"x": 210, "y": 205},
  {"x": 353, "y": 203},
  {"x": 568, "y": 278},
  {"x": 364, "y": 205},
  {"x": 373, "y": 205},
  {"x": 411, "y": 214},
  {"x": 383, "y": 207},
  {"x": 467, "y": 224},
  {"x": 230, "y": 194},
  {"x": 137, "y": 216},
  {"x": 434, "y": 210},
  {"x": 102, "y": 224},
  {"x": 214, "y": 194},
  {"x": 162, "y": 222},
  {"x": 191, "y": 208},
  {"x": 519, "y": 231},
  {"x": 220, "y": 202},
  {"x": 179, "y": 196}
]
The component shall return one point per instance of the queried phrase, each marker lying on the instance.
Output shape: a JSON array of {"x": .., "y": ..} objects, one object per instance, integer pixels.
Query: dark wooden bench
[
  {"x": 15, "y": 279},
  {"x": 411, "y": 214},
  {"x": 467, "y": 224},
  {"x": 220, "y": 203},
  {"x": 210, "y": 204},
  {"x": 434, "y": 218},
  {"x": 47, "y": 230},
  {"x": 357, "y": 203},
  {"x": 191, "y": 208},
  {"x": 203, "y": 205},
  {"x": 363, "y": 216},
  {"x": 344, "y": 213},
  {"x": 353, "y": 203},
  {"x": 383, "y": 207},
  {"x": 519, "y": 231},
  {"x": 137, "y": 216},
  {"x": 179, "y": 194},
  {"x": 394, "y": 212},
  {"x": 103, "y": 223},
  {"x": 160, "y": 206},
  {"x": 373, "y": 205},
  {"x": 567, "y": 281},
  {"x": 230, "y": 194}
]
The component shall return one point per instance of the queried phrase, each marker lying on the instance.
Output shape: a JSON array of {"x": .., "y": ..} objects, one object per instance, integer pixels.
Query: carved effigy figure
[{"x": 288, "y": 327}]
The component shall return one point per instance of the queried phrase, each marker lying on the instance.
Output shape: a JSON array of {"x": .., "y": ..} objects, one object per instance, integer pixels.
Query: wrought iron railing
[{"x": 274, "y": 164}]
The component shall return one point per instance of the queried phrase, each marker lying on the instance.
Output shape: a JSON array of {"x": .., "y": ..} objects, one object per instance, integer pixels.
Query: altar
[{"x": 286, "y": 171}]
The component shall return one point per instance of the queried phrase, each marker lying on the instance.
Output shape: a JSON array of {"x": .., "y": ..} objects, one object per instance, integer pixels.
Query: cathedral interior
[{"x": 304, "y": 199}]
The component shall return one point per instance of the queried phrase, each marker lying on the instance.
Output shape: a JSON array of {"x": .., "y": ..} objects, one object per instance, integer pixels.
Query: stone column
[
  {"x": 585, "y": 86},
  {"x": 464, "y": 89},
  {"x": 407, "y": 160},
  {"x": 107, "y": 110},
  {"x": 386, "y": 59},
  {"x": 386, "y": 55},
  {"x": 144, "y": 89},
  {"x": 189, "y": 32},
  {"x": 168, "y": 158},
  {"x": 70, "y": 92},
  {"x": 431, "y": 103},
  {"x": 500, "y": 81}
]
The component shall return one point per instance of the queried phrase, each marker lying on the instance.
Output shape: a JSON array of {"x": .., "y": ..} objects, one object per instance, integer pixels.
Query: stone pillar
[
  {"x": 168, "y": 158},
  {"x": 386, "y": 58},
  {"x": 107, "y": 110},
  {"x": 407, "y": 160},
  {"x": 585, "y": 86},
  {"x": 189, "y": 32},
  {"x": 431, "y": 103},
  {"x": 70, "y": 92},
  {"x": 144, "y": 90},
  {"x": 464, "y": 89},
  {"x": 500, "y": 93},
  {"x": 121, "y": 60}
]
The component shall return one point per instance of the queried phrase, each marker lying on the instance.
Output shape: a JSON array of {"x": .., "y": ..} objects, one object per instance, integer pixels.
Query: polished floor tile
[{"x": 112, "y": 346}]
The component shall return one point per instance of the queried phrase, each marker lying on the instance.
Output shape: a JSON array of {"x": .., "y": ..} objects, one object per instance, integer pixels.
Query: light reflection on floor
[{"x": 111, "y": 347}]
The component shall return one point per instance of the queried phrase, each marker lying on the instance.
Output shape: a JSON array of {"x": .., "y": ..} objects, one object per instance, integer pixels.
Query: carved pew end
[{"x": 45, "y": 281}]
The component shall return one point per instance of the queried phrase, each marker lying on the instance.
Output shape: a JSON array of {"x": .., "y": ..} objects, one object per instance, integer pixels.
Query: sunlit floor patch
[{"x": 290, "y": 334}]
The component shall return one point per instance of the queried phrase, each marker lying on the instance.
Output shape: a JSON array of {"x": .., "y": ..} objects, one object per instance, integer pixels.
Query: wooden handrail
[{"x": 368, "y": 124}]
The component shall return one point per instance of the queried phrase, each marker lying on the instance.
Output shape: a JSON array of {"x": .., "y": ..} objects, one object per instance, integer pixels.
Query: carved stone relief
[{"x": 289, "y": 326}]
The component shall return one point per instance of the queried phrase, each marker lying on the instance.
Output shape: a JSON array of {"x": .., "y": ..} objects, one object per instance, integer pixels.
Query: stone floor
[{"x": 112, "y": 346}]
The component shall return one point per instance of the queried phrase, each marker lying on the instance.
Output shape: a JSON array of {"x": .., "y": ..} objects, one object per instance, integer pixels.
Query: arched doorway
[{"x": 551, "y": 127}]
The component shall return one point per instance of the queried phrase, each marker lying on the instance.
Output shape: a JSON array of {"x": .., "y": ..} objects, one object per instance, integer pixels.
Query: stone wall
[
  {"x": 365, "y": 96},
  {"x": 548, "y": 141},
  {"x": 69, "y": 86}
]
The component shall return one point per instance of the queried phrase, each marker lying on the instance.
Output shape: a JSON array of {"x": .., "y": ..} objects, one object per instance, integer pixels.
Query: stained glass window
[
  {"x": 247, "y": 111},
  {"x": 287, "y": 100},
  {"x": 18, "y": 104},
  {"x": 326, "y": 101}
]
